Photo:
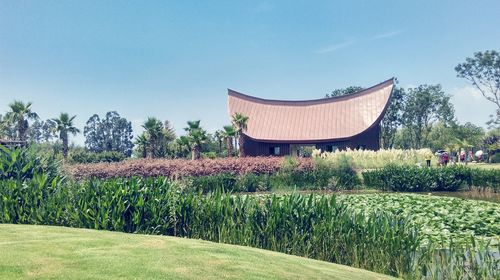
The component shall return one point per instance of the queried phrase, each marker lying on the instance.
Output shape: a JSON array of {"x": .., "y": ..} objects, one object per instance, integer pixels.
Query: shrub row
[
  {"x": 418, "y": 179},
  {"x": 83, "y": 156},
  {"x": 321, "y": 176},
  {"x": 231, "y": 174},
  {"x": 183, "y": 168}
]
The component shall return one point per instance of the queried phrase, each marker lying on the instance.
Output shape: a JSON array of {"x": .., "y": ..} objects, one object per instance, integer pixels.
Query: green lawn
[
  {"x": 45, "y": 252},
  {"x": 485, "y": 165}
]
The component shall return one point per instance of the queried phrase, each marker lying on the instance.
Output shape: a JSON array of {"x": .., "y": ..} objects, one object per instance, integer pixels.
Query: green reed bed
[{"x": 314, "y": 226}]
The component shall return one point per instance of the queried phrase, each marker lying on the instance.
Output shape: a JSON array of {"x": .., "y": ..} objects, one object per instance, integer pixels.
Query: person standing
[
  {"x": 446, "y": 158},
  {"x": 462, "y": 157},
  {"x": 471, "y": 156},
  {"x": 428, "y": 158}
]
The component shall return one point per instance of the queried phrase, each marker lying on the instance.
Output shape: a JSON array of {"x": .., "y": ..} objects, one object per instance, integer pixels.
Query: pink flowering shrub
[{"x": 177, "y": 168}]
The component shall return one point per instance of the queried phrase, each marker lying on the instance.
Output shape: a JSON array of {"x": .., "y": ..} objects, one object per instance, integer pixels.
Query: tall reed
[{"x": 314, "y": 226}]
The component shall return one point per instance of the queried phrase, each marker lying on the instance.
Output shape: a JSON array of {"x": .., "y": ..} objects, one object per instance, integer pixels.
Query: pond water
[{"x": 477, "y": 195}]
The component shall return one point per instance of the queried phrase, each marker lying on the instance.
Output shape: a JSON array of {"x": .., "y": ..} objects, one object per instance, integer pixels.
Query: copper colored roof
[{"x": 312, "y": 120}]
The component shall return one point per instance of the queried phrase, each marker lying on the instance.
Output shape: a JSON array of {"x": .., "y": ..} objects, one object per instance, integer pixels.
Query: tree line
[
  {"x": 113, "y": 133},
  {"x": 417, "y": 117},
  {"x": 423, "y": 116}
]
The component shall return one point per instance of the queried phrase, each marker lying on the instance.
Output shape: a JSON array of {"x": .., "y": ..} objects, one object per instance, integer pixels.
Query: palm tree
[
  {"x": 64, "y": 125},
  {"x": 142, "y": 144},
  {"x": 229, "y": 133},
  {"x": 219, "y": 136},
  {"x": 183, "y": 145},
  {"x": 3, "y": 126},
  {"x": 20, "y": 114},
  {"x": 240, "y": 124},
  {"x": 196, "y": 137},
  {"x": 192, "y": 125},
  {"x": 154, "y": 132}
]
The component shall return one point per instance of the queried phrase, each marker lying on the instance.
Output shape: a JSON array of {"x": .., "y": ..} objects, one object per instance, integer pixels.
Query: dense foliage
[
  {"x": 315, "y": 226},
  {"x": 23, "y": 164},
  {"x": 154, "y": 141},
  {"x": 367, "y": 159},
  {"x": 439, "y": 219},
  {"x": 234, "y": 174},
  {"x": 183, "y": 168},
  {"x": 418, "y": 179},
  {"x": 83, "y": 156},
  {"x": 483, "y": 71},
  {"x": 112, "y": 133},
  {"x": 371, "y": 233},
  {"x": 289, "y": 176}
]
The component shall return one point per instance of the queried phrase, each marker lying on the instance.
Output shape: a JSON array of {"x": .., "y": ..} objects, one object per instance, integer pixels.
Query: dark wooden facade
[{"x": 369, "y": 139}]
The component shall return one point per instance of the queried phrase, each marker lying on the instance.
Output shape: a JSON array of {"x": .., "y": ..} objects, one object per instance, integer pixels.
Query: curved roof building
[{"x": 279, "y": 127}]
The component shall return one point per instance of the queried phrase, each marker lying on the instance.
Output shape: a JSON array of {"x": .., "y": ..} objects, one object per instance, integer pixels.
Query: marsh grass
[{"x": 314, "y": 226}]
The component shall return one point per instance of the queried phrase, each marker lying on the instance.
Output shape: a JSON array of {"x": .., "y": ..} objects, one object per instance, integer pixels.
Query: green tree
[
  {"x": 344, "y": 91},
  {"x": 41, "y": 131},
  {"x": 19, "y": 115},
  {"x": 64, "y": 125},
  {"x": 6, "y": 129},
  {"x": 112, "y": 133},
  {"x": 182, "y": 147},
  {"x": 423, "y": 106},
  {"x": 240, "y": 123},
  {"x": 168, "y": 136},
  {"x": 219, "y": 138},
  {"x": 168, "y": 131},
  {"x": 196, "y": 137},
  {"x": 154, "y": 134},
  {"x": 94, "y": 137},
  {"x": 455, "y": 136},
  {"x": 142, "y": 143},
  {"x": 393, "y": 118},
  {"x": 229, "y": 133},
  {"x": 2, "y": 127},
  {"x": 483, "y": 71},
  {"x": 492, "y": 142}
]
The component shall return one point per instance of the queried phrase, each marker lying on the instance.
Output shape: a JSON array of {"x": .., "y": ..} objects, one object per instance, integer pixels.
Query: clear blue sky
[{"x": 175, "y": 60}]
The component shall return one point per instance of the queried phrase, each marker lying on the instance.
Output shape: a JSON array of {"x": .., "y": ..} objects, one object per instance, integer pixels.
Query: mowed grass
[
  {"x": 485, "y": 165},
  {"x": 46, "y": 252}
]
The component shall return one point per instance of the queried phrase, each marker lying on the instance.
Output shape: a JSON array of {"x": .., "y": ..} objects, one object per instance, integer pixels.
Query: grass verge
[{"x": 46, "y": 252}]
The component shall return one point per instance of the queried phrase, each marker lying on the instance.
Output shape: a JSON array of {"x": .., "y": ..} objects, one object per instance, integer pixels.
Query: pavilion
[{"x": 280, "y": 127}]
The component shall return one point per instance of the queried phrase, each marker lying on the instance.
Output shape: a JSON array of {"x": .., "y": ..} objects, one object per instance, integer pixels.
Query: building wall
[
  {"x": 369, "y": 140},
  {"x": 254, "y": 148}
]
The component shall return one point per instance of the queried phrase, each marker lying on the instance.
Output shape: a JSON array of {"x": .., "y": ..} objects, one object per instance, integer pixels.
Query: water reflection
[{"x": 477, "y": 195}]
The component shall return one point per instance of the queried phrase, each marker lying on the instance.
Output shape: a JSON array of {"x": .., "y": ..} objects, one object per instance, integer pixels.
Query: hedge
[{"x": 420, "y": 179}]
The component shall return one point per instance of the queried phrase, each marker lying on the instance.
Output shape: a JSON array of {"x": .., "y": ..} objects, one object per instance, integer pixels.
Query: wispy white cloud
[
  {"x": 347, "y": 43},
  {"x": 386, "y": 35},
  {"x": 335, "y": 47}
]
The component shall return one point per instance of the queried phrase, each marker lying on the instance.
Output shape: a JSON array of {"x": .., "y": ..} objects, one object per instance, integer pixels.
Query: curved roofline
[
  {"x": 369, "y": 90},
  {"x": 312, "y": 141}
]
